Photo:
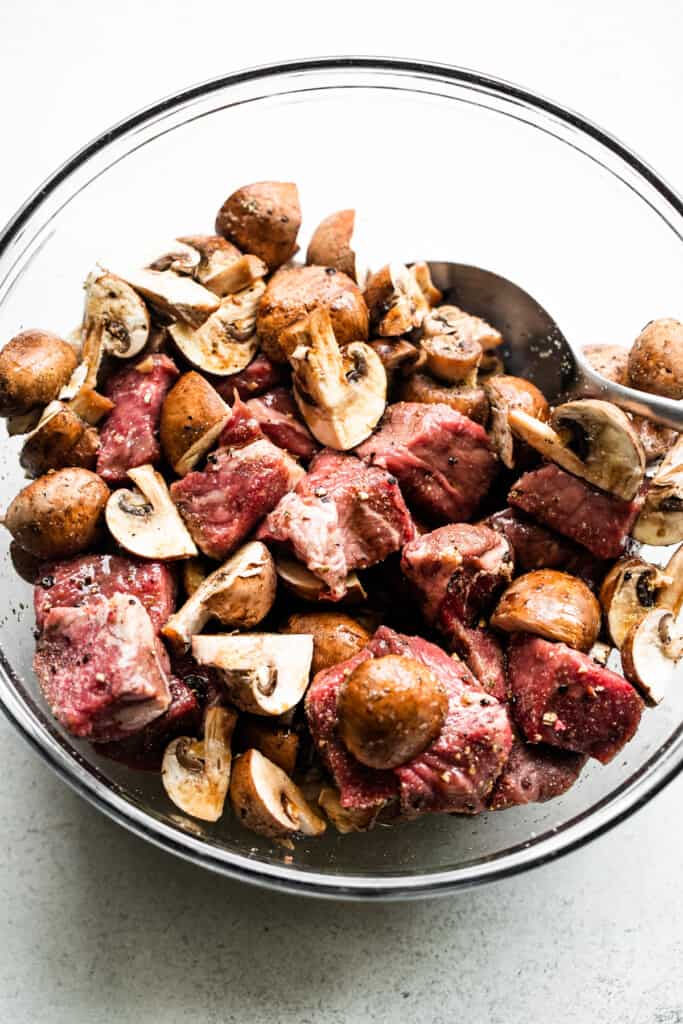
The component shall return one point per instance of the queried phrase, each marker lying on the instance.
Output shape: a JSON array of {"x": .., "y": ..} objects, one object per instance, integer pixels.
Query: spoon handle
[{"x": 666, "y": 411}]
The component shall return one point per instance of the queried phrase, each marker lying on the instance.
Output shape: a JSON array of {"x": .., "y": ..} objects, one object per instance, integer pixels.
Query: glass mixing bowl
[{"x": 441, "y": 163}]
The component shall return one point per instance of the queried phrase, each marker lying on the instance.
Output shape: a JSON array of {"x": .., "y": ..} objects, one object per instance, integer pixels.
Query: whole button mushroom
[
  {"x": 59, "y": 514},
  {"x": 550, "y": 604},
  {"x": 390, "y": 709},
  {"x": 655, "y": 362},
  {"x": 262, "y": 219},
  {"x": 34, "y": 366},
  {"x": 336, "y": 637}
]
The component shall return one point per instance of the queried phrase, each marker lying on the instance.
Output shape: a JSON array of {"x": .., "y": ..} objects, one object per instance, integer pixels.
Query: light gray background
[{"x": 95, "y": 926}]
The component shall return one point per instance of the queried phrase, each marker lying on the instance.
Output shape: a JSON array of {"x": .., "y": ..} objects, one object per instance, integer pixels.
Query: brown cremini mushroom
[
  {"x": 550, "y": 604},
  {"x": 505, "y": 392},
  {"x": 276, "y": 742},
  {"x": 60, "y": 439},
  {"x": 332, "y": 245},
  {"x": 652, "y": 653},
  {"x": 395, "y": 301},
  {"x": 226, "y": 342},
  {"x": 336, "y": 637},
  {"x": 655, "y": 362},
  {"x": 192, "y": 418},
  {"x": 629, "y": 591},
  {"x": 196, "y": 773},
  {"x": 265, "y": 800},
  {"x": 660, "y": 521},
  {"x": 59, "y": 514},
  {"x": 34, "y": 366},
  {"x": 263, "y": 219},
  {"x": 421, "y": 387},
  {"x": 346, "y": 819}
]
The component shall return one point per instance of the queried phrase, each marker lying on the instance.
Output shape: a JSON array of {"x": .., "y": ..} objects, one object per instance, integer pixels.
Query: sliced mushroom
[
  {"x": 145, "y": 521},
  {"x": 593, "y": 440},
  {"x": 264, "y": 673},
  {"x": 455, "y": 321},
  {"x": 302, "y": 582},
  {"x": 60, "y": 439},
  {"x": 341, "y": 393},
  {"x": 239, "y": 594},
  {"x": 395, "y": 301},
  {"x": 266, "y": 800},
  {"x": 550, "y": 604},
  {"x": 178, "y": 256},
  {"x": 331, "y": 245},
  {"x": 174, "y": 295},
  {"x": 504, "y": 393},
  {"x": 661, "y": 519},
  {"x": 671, "y": 596},
  {"x": 227, "y": 341},
  {"x": 196, "y": 773},
  {"x": 421, "y": 387},
  {"x": 346, "y": 819},
  {"x": 452, "y": 359},
  {"x": 629, "y": 591},
  {"x": 423, "y": 279},
  {"x": 652, "y": 654},
  {"x": 213, "y": 261},
  {"x": 399, "y": 357},
  {"x": 111, "y": 303},
  {"x": 192, "y": 418}
]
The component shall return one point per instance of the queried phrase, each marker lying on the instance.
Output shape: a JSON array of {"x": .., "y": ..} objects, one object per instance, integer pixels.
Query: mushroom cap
[
  {"x": 395, "y": 301},
  {"x": 196, "y": 773},
  {"x": 59, "y": 514},
  {"x": 226, "y": 342},
  {"x": 336, "y": 637},
  {"x": 263, "y": 219},
  {"x": 398, "y": 356},
  {"x": 661, "y": 519},
  {"x": 550, "y": 604},
  {"x": 192, "y": 418},
  {"x": 294, "y": 292},
  {"x": 330, "y": 245},
  {"x": 146, "y": 522},
  {"x": 305, "y": 584},
  {"x": 421, "y": 387},
  {"x": 112, "y": 303},
  {"x": 628, "y": 592},
  {"x": 611, "y": 361},
  {"x": 266, "y": 800},
  {"x": 346, "y": 819},
  {"x": 264, "y": 673},
  {"x": 506, "y": 392},
  {"x": 652, "y": 654},
  {"x": 34, "y": 365},
  {"x": 655, "y": 362},
  {"x": 452, "y": 357},
  {"x": 390, "y": 709},
  {"x": 60, "y": 439}
]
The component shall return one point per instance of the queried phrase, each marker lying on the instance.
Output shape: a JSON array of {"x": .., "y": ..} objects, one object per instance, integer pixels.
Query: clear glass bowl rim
[{"x": 656, "y": 773}]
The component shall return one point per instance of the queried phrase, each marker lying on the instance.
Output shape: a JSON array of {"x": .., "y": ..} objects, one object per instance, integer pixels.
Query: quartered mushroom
[
  {"x": 332, "y": 245},
  {"x": 661, "y": 519},
  {"x": 629, "y": 591},
  {"x": 423, "y": 278},
  {"x": 61, "y": 438},
  {"x": 592, "y": 439},
  {"x": 275, "y": 741},
  {"x": 399, "y": 357},
  {"x": 239, "y": 594},
  {"x": 34, "y": 365},
  {"x": 346, "y": 819},
  {"x": 192, "y": 418},
  {"x": 452, "y": 359},
  {"x": 176, "y": 296},
  {"x": 395, "y": 300},
  {"x": 226, "y": 342},
  {"x": 264, "y": 673},
  {"x": 504, "y": 393},
  {"x": 305, "y": 584},
  {"x": 452, "y": 320},
  {"x": 341, "y": 393},
  {"x": 652, "y": 653},
  {"x": 146, "y": 522},
  {"x": 115, "y": 320},
  {"x": 550, "y": 604},
  {"x": 266, "y": 800},
  {"x": 196, "y": 773},
  {"x": 212, "y": 261}
]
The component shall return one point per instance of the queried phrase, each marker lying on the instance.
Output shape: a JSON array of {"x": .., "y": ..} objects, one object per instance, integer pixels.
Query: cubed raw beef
[
  {"x": 455, "y": 774},
  {"x": 343, "y": 515},
  {"x": 481, "y": 651},
  {"x": 242, "y": 427},
  {"x": 258, "y": 377},
  {"x": 535, "y": 773},
  {"x": 144, "y": 750},
  {"x": 562, "y": 697},
  {"x": 599, "y": 521},
  {"x": 458, "y": 567},
  {"x": 77, "y": 581},
  {"x": 442, "y": 460},
  {"x": 223, "y": 503},
  {"x": 99, "y": 668},
  {"x": 130, "y": 434},
  {"x": 536, "y": 547},
  {"x": 278, "y": 417}
]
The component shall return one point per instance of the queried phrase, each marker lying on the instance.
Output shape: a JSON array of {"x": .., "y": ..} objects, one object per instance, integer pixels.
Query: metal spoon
[{"x": 535, "y": 347}]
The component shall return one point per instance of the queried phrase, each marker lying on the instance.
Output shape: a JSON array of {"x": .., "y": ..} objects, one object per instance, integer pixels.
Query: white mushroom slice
[
  {"x": 239, "y": 594},
  {"x": 671, "y": 596},
  {"x": 227, "y": 341},
  {"x": 265, "y": 800},
  {"x": 423, "y": 279},
  {"x": 196, "y": 773},
  {"x": 265, "y": 673},
  {"x": 341, "y": 393},
  {"x": 177, "y": 256},
  {"x": 113, "y": 304},
  {"x": 302, "y": 582},
  {"x": 146, "y": 522},
  {"x": 174, "y": 295},
  {"x": 610, "y": 456},
  {"x": 229, "y": 278},
  {"x": 629, "y": 591},
  {"x": 652, "y": 655},
  {"x": 660, "y": 522},
  {"x": 453, "y": 320}
]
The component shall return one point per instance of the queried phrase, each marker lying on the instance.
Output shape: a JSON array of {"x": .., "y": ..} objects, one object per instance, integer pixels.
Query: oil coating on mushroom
[{"x": 550, "y": 604}]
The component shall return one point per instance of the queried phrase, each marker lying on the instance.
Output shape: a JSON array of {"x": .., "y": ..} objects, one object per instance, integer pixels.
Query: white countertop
[{"x": 98, "y": 926}]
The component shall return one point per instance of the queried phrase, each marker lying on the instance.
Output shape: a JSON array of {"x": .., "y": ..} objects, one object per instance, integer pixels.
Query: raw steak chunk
[
  {"x": 79, "y": 580},
  {"x": 99, "y": 668},
  {"x": 222, "y": 504},
  {"x": 562, "y": 697},
  {"x": 278, "y": 418},
  {"x": 343, "y": 515},
  {"x": 442, "y": 460},
  {"x": 455, "y": 774},
  {"x": 481, "y": 651},
  {"x": 258, "y": 377},
  {"x": 534, "y": 774},
  {"x": 599, "y": 521},
  {"x": 130, "y": 435},
  {"x": 536, "y": 547}
]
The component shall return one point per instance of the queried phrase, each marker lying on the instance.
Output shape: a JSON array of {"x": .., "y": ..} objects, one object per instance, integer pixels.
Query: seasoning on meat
[
  {"x": 534, "y": 774},
  {"x": 277, "y": 415}
]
